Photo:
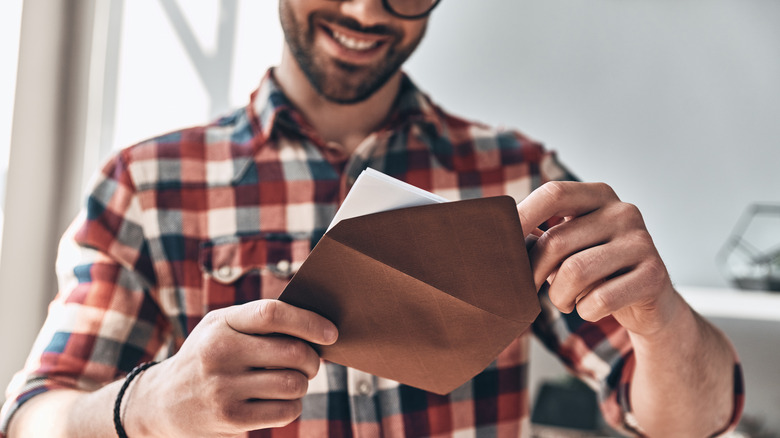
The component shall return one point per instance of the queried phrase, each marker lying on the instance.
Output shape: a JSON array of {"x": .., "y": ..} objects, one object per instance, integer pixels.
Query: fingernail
[{"x": 330, "y": 334}]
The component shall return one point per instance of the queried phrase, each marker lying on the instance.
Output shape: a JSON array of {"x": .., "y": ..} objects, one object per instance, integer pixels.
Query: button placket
[
  {"x": 364, "y": 387},
  {"x": 361, "y": 388},
  {"x": 360, "y": 383}
]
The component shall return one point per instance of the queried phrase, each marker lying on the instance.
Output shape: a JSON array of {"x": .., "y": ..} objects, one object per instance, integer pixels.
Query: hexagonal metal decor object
[{"x": 750, "y": 258}]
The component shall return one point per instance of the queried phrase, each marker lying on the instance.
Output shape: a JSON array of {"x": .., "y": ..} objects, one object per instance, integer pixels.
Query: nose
[{"x": 367, "y": 12}]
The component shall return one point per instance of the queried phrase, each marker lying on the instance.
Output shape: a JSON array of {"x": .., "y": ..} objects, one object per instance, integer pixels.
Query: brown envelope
[{"x": 427, "y": 296}]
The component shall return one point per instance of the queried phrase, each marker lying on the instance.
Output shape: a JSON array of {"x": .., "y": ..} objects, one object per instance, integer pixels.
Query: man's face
[{"x": 347, "y": 49}]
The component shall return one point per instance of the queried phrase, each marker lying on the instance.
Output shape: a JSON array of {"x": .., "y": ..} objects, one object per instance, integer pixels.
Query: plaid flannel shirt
[{"x": 213, "y": 216}]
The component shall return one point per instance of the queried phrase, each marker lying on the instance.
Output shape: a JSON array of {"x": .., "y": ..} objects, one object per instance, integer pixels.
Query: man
[{"x": 188, "y": 238}]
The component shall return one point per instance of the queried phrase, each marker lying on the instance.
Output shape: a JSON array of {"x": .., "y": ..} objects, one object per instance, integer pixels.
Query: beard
[{"x": 335, "y": 80}]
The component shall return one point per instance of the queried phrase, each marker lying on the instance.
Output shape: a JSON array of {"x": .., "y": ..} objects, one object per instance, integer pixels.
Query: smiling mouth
[{"x": 352, "y": 41}]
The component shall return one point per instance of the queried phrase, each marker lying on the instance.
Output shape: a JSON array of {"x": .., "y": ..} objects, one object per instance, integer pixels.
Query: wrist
[
  {"x": 677, "y": 322},
  {"x": 693, "y": 358},
  {"x": 135, "y": 417}
]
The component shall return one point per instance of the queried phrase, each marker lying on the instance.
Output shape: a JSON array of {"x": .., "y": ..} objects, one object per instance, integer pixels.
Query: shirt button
[
  {"x": 224, "y": 272},
  {"x": 283, "y": 267},
  {"x": 364, "y": 387}
]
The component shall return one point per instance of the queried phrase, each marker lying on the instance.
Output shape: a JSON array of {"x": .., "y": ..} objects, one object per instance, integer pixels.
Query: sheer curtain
[
  {"x": 37, "y": 142},
  {"x": 10, "y": 24},
  {"x": 94, "y": 76}
]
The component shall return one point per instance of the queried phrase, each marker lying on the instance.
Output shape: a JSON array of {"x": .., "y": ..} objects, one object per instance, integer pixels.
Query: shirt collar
[
  {"x": 266, "y": 104},
  {"x": 414, "y": 107},
  {"x": 270, "y": 109}
]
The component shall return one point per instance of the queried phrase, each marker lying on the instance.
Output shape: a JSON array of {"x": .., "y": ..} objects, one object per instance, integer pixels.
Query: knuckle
[
  {"x": 211, "y": 388},
  {"x": 559, "y": 301},
  {"x": 213, "y": 317},
  {"x": 574, "y": 269},
  {"x": 594, "y": 308},
  {"x": 229, "y": 412},
  {"x": 605, "y": 190},
  {"x": 640, "y": 240},
  {"x": 294, "y": 384},
  {"x": 552, "y": 241},
  {"x": 211, "y": 323},
  {"x": 207, "y": 358},
  {"x": 630, "y": 209},
  {"x": 294, "y": 350},
  {"x": 556, "y": 189},
  {"x": 630, "y": 212},
  {"x": 655, "y": 272},
  {"x": 315, "y": 369},
  {"x": 268, "y": 313},
  {"x": 219, "y": 390},
  {"x": 212, "y": 352},
  {"x": 628, "y": 216}
]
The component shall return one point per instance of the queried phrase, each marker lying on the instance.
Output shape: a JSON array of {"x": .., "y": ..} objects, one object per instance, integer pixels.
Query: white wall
[
  {"x": 676, "y": 104},
  {"x": 10, "y": 24}
]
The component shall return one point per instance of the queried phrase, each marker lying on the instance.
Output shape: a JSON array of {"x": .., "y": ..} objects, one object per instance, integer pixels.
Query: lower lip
[{"x": 347, "y": 55}]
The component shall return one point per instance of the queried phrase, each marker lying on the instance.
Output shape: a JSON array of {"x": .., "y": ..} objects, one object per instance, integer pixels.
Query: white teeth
[{"x": 352, "y": 43}]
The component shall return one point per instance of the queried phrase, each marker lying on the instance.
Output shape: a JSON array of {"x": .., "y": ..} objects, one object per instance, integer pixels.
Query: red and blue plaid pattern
[{"x": 213, "y": 216}]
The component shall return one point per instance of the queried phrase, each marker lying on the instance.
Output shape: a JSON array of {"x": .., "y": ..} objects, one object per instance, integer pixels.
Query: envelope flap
[
  {"x": 395, "y": 326},
  {"x": 473, "y": 250}
]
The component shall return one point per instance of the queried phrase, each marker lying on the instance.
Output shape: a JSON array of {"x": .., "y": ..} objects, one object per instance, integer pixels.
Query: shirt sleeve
[
  {"x": 600, "y": 353},
  {"x": 104, "y": 319}
]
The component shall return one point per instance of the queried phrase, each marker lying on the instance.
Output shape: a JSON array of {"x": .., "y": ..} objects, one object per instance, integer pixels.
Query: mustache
[{"x": 352, "y": 24}]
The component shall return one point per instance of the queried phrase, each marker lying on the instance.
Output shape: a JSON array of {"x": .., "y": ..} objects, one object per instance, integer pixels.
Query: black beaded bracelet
[{"x": 120, "y": 430}]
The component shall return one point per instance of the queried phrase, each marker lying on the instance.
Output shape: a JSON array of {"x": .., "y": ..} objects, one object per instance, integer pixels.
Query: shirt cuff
[
  {"x": 15, "y": 401},
  {"x": 621, "y": 412}
]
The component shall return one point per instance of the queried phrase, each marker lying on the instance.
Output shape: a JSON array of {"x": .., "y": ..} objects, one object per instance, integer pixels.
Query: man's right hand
[{"x": 242, "y": 368}]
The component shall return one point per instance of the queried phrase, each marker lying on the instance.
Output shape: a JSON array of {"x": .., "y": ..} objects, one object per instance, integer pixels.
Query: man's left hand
[{"x": 600, "y": 258}]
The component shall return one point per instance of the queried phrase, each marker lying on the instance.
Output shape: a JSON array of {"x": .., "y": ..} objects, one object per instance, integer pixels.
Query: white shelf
[{"x": 733, "y": 303}]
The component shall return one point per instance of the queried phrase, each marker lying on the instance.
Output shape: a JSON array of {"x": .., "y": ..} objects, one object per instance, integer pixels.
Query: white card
[{"x": 374, "y": 191}]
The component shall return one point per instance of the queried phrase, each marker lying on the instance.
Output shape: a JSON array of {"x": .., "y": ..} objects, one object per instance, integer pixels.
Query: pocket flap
[{"x": 227, "y": 261}]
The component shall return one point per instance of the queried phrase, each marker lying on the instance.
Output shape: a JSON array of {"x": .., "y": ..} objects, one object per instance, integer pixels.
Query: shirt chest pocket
[{"x": 249, "y": 268}]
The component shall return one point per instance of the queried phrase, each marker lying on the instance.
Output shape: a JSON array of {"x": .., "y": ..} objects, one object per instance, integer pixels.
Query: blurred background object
[
  {"x": 750, "y": 257},
  {"x": 754, "y": 427},
  {"x": 566, "y": 407}
]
